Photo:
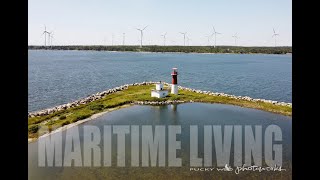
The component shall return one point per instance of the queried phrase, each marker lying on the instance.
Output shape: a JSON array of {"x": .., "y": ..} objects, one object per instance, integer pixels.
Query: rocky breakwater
[
  {"x": 156, "y": 103},
  {"x": 235, "y": 97},
  {"x": 85, "y": 100},
  {"x": 102, "y": 94}
]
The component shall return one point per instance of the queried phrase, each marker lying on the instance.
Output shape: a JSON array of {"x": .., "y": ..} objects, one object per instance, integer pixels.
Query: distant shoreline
[
  {"x": 175, "y": 49},
  {"x": 146, "y": 52}
]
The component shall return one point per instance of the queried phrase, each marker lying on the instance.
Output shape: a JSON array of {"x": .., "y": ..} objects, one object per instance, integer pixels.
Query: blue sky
[{"x": 93, "y": 22}]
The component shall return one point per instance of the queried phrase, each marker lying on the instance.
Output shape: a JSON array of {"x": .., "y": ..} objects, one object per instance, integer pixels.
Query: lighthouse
[{"x": 174, "y": 85}]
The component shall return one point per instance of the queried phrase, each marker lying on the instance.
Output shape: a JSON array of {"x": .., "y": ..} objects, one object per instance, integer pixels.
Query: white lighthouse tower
[{"x": 174, "y": 85}]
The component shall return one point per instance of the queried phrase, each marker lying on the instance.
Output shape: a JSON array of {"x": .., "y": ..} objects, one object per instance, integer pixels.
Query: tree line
[{"x": 184, "y": 49}]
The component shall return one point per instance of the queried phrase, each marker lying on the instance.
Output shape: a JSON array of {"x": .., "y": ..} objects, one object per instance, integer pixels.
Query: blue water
[
  {"x": 58, "y": 77},
  {"x": 184, "y": 115}
]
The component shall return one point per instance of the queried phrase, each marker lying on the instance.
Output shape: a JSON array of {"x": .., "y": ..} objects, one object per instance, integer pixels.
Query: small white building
[{"x": 159, "y": 92}]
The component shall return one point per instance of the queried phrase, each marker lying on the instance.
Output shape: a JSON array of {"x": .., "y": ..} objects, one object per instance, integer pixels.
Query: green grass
[
  {"x": 137, "y": 93},
  {"x": 62, "y": 117}
]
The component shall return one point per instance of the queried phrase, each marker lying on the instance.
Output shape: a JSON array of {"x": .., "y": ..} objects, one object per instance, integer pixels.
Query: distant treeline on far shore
[{"x": 184, "y": 49}]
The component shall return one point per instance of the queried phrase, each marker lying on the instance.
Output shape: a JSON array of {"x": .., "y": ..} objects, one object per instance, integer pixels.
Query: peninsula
[{"x": 138, "y": 93}]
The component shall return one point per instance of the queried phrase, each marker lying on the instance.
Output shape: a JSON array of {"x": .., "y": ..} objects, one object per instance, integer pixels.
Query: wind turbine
[
  {"x": 50, "y": 38},
  {"x": 208, "y": 36},
  {"x": 141, "y": 34},
  {"x": 184, "y": 38},
  {"x": 45, "y": 32},
  {"x": 235, "y": 36},
  {"x": 164, "y": 38},
  {"x": 112, "y": 39},
  {"x": 275, "y": 37},
  {"x": 104, "y": 41},
  {"x": 188, "y": 40},
  {"x": 215, "y": 36},
  {"x": 123, "y": 38}
]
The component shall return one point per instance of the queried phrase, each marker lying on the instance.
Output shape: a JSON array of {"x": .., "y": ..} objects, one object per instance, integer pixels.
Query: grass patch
[
  {"x": 96, "y": 107},
  {"x": 62, "y": 117},
  {"x": 141, "y": 93},
  {"x": 83, "y": 116},
  {"x": 33, "y": 128},
  {"x": 65, "y": 123}
]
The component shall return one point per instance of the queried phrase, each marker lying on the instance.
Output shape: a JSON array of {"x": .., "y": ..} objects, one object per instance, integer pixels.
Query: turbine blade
[{"x": 145, "y": 27}]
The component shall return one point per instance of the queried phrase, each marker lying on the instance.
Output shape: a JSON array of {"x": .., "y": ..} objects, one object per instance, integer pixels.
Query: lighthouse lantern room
[{"x": 174, "y": 85}]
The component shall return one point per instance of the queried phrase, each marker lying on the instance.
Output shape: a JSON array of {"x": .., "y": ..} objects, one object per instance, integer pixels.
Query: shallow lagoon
[{"x": 184, "y": 115}]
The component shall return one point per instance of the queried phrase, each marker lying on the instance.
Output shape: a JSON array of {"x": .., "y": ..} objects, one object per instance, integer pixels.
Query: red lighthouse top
[
  {"x": 174, "y": 76},
  {"x": 174, "y": 71}
]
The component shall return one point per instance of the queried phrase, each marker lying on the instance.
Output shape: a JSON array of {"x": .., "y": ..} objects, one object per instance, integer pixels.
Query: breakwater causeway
[{"x": 102, "y": 94}]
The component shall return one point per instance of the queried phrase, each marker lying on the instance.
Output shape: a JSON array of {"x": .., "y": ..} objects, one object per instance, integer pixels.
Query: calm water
[
  {"x": 58, "y": 77},
  {"x": 185, "y": 115}
]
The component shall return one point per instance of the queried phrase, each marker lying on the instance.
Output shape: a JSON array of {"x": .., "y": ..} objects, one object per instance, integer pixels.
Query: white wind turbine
[
  {"x": 275, "y": 37},
  {"x": 164, "y": 38},
  {"x": 208, "y": 36},
  {"x": 235, "y": 36},
  {"x": 188, "y": 39},
  {"x": 45, "y": 32},
  {"x": 49, "y": 34},
  {"x": 112, "y": 38},
  {"x": 141, "y": 34},
  {"x": 184, "y": 38},
  {"x": 50, "y": 38},
  {"x": 123, "y": 38},
  {"x": 215, "y": 36},
  {"x": 104, "y": 41}
]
